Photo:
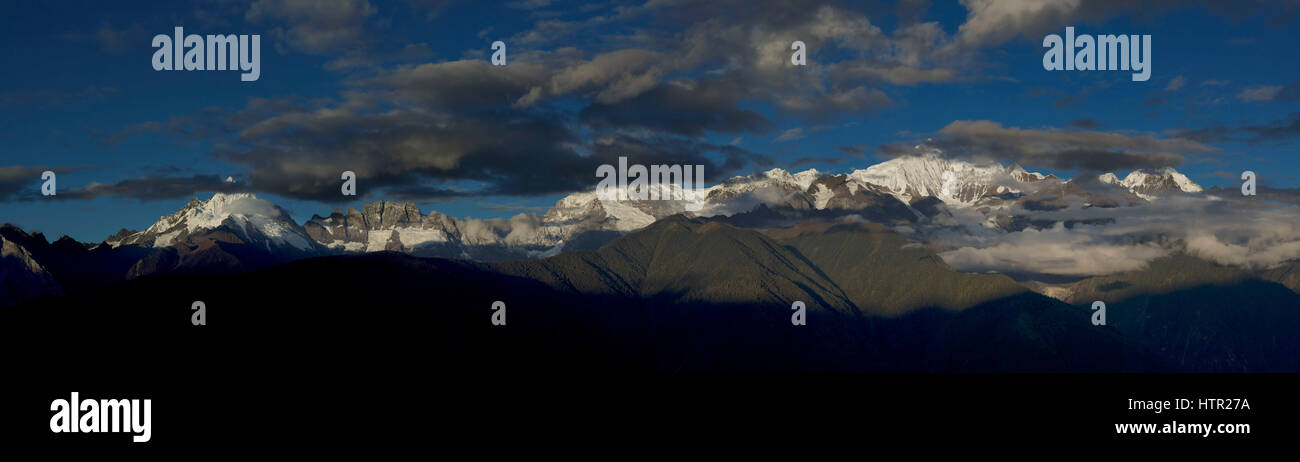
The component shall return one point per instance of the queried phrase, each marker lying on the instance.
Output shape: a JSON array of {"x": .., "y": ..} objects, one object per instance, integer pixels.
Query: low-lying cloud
[{"x": 1232, "y": 231}]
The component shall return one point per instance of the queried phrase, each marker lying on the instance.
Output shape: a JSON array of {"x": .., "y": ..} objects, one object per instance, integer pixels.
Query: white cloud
[
  {"x": 1239, "y": 232},
  {"x": 1058, "y": 251},
  {"x": 1259, "y": 93},
  {"x": 1176, "y": 83},
  {"x": 791, "y": 134}
]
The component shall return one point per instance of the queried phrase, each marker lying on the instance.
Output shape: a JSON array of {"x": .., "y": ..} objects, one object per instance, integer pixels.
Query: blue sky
[{"x": 400, "y": 92}]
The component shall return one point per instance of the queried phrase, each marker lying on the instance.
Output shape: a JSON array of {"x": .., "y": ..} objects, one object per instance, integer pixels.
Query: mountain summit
[
  {"x": 255, "y": 221},
  {"x": 226, "y": 232},
  {"x": 955, "y": 182},
  {"x": 1148, "y": 184}
]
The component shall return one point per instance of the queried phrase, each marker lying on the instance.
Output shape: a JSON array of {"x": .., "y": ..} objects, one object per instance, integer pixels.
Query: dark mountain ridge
[{"x": 681, "y": 295}]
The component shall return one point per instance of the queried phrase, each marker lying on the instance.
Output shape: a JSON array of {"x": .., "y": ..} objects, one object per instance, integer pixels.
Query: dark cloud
[
  {"x": 153, "y": 188},
  {"x": 859, "y": 150},
  {"x": 15, "y": 179},
  {"x": 744, "y": 46},
  {"x": 1262, "y": 192},
  {"x": 463, "y": 85},
  {"x": 371, "y": 59},
  {"x": 314, "y": 27},
  {"x": 303, "y": 154},
  {"x": 420, "y": 153},
  {"x": 1095, "y": 151},
  {"x": 607, "y": 78},
  {"x": 206, "y": 124},
  {"x": 686, "y": 109},
  {"x": 417, "y": 192},
  {"x": 1288, "y": 195},
  {"x": 541, "y": 124},
  {"x": 845, "y": 73},
  {"x": 1277, "y": 130},
  {"x": 467, "y": 127},
  {"x": 1096, "y": 160},
  {"x": 1086, "y": 124},
  {"x": 1273, "y": 131},
  {"x": 1212, "y": 134},
  {"x": 342, "y": 29},
  {"x": 651, "y": 89},
  {"x": 684, "y": 151},
  {"x": 203, "y": 124},
  {"x": 1291, "y": 92},
  {"x": 23, "y": 183}
]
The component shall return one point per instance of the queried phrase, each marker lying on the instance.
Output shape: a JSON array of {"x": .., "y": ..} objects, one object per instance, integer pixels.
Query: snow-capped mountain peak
[
  {"x": 1019, "y": 173},
  {"x": 804, "y": 179},
  {"x": 222, "y": 206},
  {"x": 955, "y": 182},
  {"x": 618, "y": 213},
  {"x": 252, "y": 219},
  {"x": 1139, "y": 178},
  {"x": 1150, "y": 183}
]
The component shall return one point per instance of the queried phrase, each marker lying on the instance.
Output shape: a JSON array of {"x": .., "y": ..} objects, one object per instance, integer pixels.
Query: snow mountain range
[{"x": 243, "y": 231}]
